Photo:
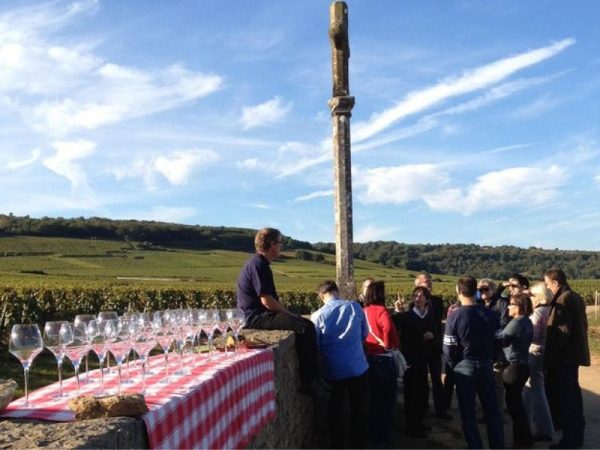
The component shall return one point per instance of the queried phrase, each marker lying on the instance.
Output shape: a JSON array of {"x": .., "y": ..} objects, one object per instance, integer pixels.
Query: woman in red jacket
[{"x": 383, "y": 375}]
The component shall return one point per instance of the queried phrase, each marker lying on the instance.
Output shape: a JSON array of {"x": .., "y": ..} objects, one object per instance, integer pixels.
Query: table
[{"x": 220, "y": 403}]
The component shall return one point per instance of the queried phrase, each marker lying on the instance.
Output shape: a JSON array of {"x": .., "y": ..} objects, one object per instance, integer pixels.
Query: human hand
[{"x": 399, "y": 305}]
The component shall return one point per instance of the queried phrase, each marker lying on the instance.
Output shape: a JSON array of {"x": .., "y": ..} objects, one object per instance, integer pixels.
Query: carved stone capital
[{"x": 341, "y": 105}]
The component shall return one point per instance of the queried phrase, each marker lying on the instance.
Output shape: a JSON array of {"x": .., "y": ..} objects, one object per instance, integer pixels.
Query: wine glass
[
  {"x": 211, "y": 322},
  {"x": 117, "y": 341},
  {"x": 222, "y": 325},
  {"x": 52, "y": 343},
  {"x": 236, "y": 320},
  {"x": 143, "y": 342},
  {"x": 84, "y": 320},
  {"x": 73, "y": 338},
  {"x": 164, "y": 336},
  {"x": 103, "y": 316},
  {"x": 25, "y": 344},
  {"x": 96, "y": 338},
  {"x": 128, "y": 320}
]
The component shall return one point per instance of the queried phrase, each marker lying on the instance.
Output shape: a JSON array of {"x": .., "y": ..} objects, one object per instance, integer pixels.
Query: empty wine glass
[
  {"x": 222, "y": 325},
  {"x": 25, "y": 344},
  {"x": 164, "y": 336},
  {"x": 103, "y": 316},
  {"x": 143, "y": 342},
  {"x": 97, "y": 342},
  {"x": 236, "y": 320},
  {"x": 118, "y": 343},
  {"x": 52, "y": 343},
  {"x": 128, "y": 320},
  {"x": 74, "y": 341},
  {"x": 84, "y": 320},
  {"x": 210, "y": 324}
]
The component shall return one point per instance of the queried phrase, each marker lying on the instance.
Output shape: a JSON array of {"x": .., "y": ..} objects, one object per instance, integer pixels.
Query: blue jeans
[
  {"x": 534, "y": 397},
  {"x": 383, "y": 390},
  {"x": 476, "y": 378}
]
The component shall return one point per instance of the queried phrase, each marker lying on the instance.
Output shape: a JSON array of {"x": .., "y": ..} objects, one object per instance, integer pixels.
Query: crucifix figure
[{"x": 341, "y": 104}]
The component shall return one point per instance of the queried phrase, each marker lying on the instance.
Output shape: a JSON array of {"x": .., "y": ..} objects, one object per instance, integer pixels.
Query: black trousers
[
  {"x": 566, "y": 404},
  {"x": 306, "y": 339},
  {"x": 448, "y": 386},
  {"x": 434, "y": 363},
  {"x": 356, "y": 390},
  {"x": 514, "y": 377},
  {"x": 416, "y": 396}
]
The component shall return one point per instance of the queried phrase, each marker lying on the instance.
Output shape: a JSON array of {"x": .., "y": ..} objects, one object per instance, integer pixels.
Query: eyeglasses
[
  {"x": 512, "y": 304},
  {"x": 514, "y": 285},
  {"x": 484, "y": 289}
]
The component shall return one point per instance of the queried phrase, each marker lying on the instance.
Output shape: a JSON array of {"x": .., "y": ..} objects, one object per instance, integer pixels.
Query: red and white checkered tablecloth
[{"x": 220, "y": 403}]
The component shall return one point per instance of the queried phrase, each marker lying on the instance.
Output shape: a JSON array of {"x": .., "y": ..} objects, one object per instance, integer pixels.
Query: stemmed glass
[
  {"x": 211, "y": 322},
  {"x": 103, "y": 317},
  {"x": 84, "y": 320},
  {"x": 164, "y": 336},
  {"x": 128, "y": 320},
  {"x": 118, "y": 343},
  {"x": 74, "y": 341},
  {"x": 25, "y": 344},
  {"x": 236, "y": 320},
  {"x": 96, "y": 338},
  {"x": 53, "y": 343},
  {"x": 222, "y": 325},
  {"x": 143, "y": 342}
]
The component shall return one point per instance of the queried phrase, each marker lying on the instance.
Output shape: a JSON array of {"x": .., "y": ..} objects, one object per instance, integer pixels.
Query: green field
[{"x": 56, "y": 262}]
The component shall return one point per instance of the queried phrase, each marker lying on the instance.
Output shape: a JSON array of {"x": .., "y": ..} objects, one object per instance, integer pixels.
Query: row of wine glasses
[{"x": 107, "y": 332}]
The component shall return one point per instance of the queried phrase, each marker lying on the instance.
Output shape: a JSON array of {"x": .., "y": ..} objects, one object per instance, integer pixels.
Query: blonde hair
[{"x": 541, "y": 294}]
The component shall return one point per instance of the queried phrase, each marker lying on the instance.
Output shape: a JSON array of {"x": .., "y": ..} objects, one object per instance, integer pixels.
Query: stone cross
[{"x": 341, "y": 104}]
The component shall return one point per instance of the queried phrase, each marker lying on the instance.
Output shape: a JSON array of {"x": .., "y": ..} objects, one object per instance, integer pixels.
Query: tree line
[{"x": 449, "y": 259}]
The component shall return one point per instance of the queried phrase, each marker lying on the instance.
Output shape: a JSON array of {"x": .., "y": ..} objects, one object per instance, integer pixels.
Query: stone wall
[{"x": 292, "y": 427}]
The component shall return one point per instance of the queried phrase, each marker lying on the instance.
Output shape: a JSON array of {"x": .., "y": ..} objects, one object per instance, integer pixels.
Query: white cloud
[
  {"x": 597, "y": 179},
  {"x": 313, "y": 195},
  {"x": 472, "y": 80},
  {"x": 371, "y": 233},
  {"x": 63, "y": 161},
  {"x": 171, "y": 214},
  {"x": 264, "y": 114},
  {"x": 78, "y": 89},
  {"x": 248, "y": 164},
  {"x": 536, "y": 108},
  {"x": 400, "y": 184},
  {"x": 13, "y": 165},
  {"x": 517, "y": 186},
  {"x": 177, "y": 166}
]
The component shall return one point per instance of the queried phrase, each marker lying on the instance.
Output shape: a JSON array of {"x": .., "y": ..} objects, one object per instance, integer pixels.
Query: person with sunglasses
[{"x": 517, "y": 337}]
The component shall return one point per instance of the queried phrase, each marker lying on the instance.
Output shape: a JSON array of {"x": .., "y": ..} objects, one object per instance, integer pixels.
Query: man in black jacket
[{"x": 566, "y": 349}]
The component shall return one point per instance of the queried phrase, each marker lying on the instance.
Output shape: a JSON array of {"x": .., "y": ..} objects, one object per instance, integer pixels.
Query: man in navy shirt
[
  {"x": 470, "y": 342},
  {"x": 257, "y": 297}
]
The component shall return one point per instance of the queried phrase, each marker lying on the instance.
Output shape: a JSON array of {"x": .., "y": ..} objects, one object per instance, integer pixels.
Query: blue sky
[{"x": 475, "y": 121}]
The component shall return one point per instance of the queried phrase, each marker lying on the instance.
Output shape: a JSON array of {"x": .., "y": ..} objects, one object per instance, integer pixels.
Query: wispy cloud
[
  {"x": 470, "y": 81},
  {"x": 313, "y": 195},
  {"x": 80, "y": 90},
  {"x": 63, "y": 161},
  {"x": 13, "y": 165},
  {"x": 177, "y": 167},
  {"x": 536, "y": 108},
  {"x": 264, "y": 114}
]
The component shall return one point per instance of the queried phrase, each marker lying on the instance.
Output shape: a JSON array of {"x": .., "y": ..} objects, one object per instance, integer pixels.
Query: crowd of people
[{"x": 511, "y": 346}]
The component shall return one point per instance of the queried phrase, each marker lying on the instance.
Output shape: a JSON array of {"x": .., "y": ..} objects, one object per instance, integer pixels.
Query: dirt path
[{"x": 447, "y": 434}]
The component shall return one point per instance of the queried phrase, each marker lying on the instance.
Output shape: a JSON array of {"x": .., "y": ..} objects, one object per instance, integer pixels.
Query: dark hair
[
  {"x": 558, "y": 275},
  {"x": 523, "y": 281},
  {"x": 467, "y": 286},
  {"x": 265, "y": 238},
  {"x": 422, "y": 289},
  {"x": 327, "y": 286},
  {"x": 523, "y": 303},
  {"x": 375, "y": 294}
]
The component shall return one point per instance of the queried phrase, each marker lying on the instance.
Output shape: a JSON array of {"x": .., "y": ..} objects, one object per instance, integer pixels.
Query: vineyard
[{"x": 56, "y": 278}]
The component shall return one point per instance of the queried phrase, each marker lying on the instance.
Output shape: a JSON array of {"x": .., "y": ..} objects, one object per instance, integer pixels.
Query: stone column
[{"x": 341, "y": 105}]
